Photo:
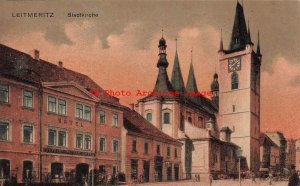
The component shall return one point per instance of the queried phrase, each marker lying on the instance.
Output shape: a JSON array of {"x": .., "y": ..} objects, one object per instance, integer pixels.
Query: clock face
[{"x": 234, "y": 64}]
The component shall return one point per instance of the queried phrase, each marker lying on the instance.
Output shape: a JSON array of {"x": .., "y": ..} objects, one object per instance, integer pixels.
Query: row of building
[
  {"x": 52, "y": 126},
  {"x": 277, "y": 153}
]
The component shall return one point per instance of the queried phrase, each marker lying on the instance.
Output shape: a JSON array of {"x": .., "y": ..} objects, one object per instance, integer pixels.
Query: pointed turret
[
  {"x": 177, "y": 80},
  {"x": 162, "y": 83},
  {"x": 239, "y": 31},
  {"x": 221, "y": 42},
  {"x": 191, "y": 82},
  {"x": 249, "y": 41},
  {"x": 258, "y": 46}
]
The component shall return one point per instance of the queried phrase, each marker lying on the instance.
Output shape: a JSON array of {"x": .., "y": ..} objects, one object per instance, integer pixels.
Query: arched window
[
  {"x": 234, "y": 81},
  {"x": 149, "y": 116}
]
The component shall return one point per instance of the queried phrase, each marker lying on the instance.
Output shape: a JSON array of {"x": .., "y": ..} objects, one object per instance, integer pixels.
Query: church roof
[
  {"x": 136, "y": 124},
  {"x": 177, "y": 80},
  {"x": 21, "y": 66}
]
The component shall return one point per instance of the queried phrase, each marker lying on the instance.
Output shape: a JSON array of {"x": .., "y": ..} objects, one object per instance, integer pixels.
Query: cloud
[{"x": 280, "y": 98}]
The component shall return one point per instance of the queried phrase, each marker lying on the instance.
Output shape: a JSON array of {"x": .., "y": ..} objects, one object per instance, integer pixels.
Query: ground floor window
[
  {"x": 134, "y": 169},
  {"x": 102, "y": 169},
  {"x": 27, "y": 171},
  {"x": 4, "y": 169},
  {"x": 56, "y": 169}
]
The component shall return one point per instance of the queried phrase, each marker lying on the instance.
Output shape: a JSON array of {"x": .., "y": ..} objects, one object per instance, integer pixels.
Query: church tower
[{"x": 239, "y": 89}]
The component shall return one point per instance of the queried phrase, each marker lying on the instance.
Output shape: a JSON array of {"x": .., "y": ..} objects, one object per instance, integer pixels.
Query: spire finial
[
  {"x": 162, "y": 32},
  {"x": 258, "y": 44},
  {"x": 192, "y": 55},
  {"x": 176, "y": 43},
  {"x": 221, "y": 42}
]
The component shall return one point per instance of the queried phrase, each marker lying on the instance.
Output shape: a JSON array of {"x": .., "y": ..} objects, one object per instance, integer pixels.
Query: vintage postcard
[{"x": 153, "y": 92}]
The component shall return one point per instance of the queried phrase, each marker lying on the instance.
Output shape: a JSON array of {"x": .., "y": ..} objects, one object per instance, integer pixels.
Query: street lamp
[{"x": 239, "y": 153}]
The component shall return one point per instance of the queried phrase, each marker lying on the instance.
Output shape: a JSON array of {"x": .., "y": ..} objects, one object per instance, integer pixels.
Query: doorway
[{"x": 82, "y": 172}]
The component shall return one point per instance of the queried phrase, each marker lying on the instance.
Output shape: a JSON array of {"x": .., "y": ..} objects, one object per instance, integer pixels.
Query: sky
[{"x": 118, "y": 49}]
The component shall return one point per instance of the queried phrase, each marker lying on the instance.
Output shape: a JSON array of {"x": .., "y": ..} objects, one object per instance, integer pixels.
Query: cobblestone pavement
[{"x": 218, "y": 183}]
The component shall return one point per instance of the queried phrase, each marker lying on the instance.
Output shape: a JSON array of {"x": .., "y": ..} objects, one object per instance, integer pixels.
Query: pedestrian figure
[
  {"x": 210, "y": 180},
  {"x": 294, "y": 177},
  {"x": 270, "y": 178},
  {"x": 253, "y": 177},
  {"x": 198, "y": 177}
]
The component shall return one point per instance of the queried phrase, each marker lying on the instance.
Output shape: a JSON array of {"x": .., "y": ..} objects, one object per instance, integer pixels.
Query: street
[{"x": 219, "y": 183}]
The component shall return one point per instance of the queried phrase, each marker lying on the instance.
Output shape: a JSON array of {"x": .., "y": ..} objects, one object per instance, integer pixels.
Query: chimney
[
  {"x": 60, "y": 64},
  {"x": 36, "y": 54}
]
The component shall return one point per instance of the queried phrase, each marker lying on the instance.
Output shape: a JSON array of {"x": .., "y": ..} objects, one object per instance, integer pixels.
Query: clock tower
[{"x": 239, "y": 89}]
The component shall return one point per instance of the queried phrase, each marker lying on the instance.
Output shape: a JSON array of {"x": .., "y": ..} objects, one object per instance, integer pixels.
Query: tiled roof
[
  {"x": 22, "y": 66},
  {"x": 138, "y": 125}
]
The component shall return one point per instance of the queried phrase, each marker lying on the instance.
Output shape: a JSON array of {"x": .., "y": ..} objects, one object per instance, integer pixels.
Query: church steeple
[
  {"x": 258, "y": 46},
  {"x": 163, "y": 83},
  {"x": 239, "y": 31},
  {"x": 221, "y": 42},
  {"x": 191, "y": 82},
  {"x": 249, "y": 35},
  {"x": 177, "y": 80}
]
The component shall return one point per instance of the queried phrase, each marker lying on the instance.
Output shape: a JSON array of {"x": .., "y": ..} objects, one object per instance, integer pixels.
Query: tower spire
[
  {"x": 249, "y": 34},
  {"x": 221, "y": 42},
  {"x": 176, "y": 79},
  {"x": 162, "y": 82},
  {"x": 239, "y": 31},
  {"x": 258, "y": 46},
  {"x": 191, "y": 82}
]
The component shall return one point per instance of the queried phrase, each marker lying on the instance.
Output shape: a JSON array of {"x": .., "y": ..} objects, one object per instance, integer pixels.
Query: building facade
[
  {"x": 51, "y": 123},
  {"x": 269, "y": 153},
  {"x": 151, "y": 155},
  {"x": 239, "y": 93},
  {"x": 280, "y": 141},
  {"x": 290, "y": 153},
  {"x": 297, "y": 161}
]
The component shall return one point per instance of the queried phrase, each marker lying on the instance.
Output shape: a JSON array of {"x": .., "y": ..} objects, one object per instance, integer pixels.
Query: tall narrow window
[
  {"x": 115, "y": 120},
  {"x": 79, "y": 110},
  {"x": 233, "y": 108},
  {"x": 234, "y": 81},
  {"x": 4, "y": 94},
  {"x": 146, "y": 148},
  {"x": 79, "y": 139},
  {"x": 87, "y": 141},
  {"x": 51, "y": 137},
  {"x": 133, "y": 148},
  {"x": 87, "y": 113},
  {"x": 27, "y": 134},
  {"x": 62, "y": 107},
  {"x": 102, "y": 116},
  {"x": 168, "y": 151},
  {"x": 102, "y": 144},
  {"x": 166, "y": 117},
  {"x": 149, "y": 117},
  {"x": 175, "y": 153},
  {"x": 51, "y": 104},
  {"x": 4, "y": 131},
  {"x": 157, "y": 149},
  {"x": 62, "y": 138},
  {"x": 27, "y": 98},
  {"x": 115, "y": 146}
]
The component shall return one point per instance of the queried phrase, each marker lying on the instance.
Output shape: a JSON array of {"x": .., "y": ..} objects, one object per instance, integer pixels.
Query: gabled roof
[
  {"x": 22, "y": 66},
  {"x": 136, "y": 124},
  {"x": 265, "y": 139}
]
